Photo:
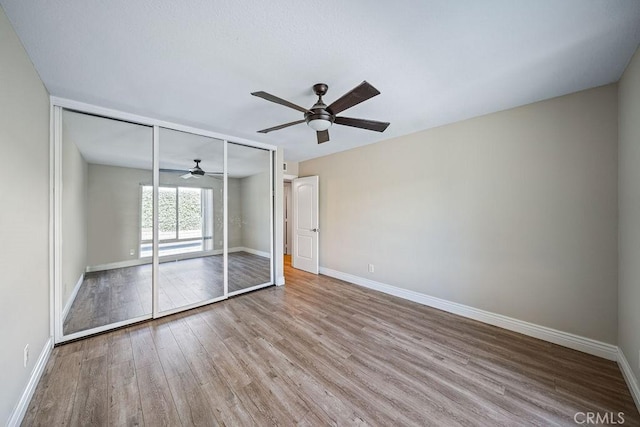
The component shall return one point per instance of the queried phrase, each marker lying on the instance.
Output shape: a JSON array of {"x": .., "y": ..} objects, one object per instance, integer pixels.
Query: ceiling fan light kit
[
  {"x": 319, "y": 124},
  {"x": 321, "y": 117}
]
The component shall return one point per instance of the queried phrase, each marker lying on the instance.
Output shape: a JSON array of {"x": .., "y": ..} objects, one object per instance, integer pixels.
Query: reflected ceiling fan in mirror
[
  {"x": 320, "y": 117},
  {"x": 194, "y": 172}
]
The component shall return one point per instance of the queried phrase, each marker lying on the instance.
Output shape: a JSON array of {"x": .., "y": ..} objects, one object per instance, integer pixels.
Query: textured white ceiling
[{"x": 435, "y": 61}]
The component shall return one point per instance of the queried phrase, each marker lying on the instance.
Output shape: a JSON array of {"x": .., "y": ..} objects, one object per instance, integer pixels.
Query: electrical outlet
[
  {"x": 371, "y": 269},
  {"x": 132, "y": 251},
  {"x": 26, "y": 355}
]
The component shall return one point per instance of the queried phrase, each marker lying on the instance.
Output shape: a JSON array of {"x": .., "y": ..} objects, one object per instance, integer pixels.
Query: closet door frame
[{"x": 57, "y": 105}]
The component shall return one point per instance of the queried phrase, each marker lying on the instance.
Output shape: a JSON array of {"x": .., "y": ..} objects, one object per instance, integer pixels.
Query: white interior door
[{"x": 305, "y": 224}]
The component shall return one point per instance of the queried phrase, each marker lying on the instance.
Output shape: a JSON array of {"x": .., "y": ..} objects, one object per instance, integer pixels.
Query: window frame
[{"x": 177, "y": 207}]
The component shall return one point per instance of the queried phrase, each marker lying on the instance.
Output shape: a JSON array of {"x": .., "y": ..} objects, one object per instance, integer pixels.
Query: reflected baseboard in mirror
[{"x": 110, "y": 296}]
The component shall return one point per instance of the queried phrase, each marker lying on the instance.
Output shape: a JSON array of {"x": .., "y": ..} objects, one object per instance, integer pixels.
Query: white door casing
[
  {"x": 287, "y": 218},
  {"x": 305, "y": 224}
]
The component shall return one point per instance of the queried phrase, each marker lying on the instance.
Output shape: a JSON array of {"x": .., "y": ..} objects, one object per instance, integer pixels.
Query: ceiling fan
[
  {"x": 320, "y": 117},
  {"x": 194, "y": 172}
]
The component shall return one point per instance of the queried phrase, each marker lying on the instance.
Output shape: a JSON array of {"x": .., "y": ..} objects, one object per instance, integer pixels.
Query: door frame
[
  {"x": 57, "y": 105},
  {"x": 287, "y": 226}
]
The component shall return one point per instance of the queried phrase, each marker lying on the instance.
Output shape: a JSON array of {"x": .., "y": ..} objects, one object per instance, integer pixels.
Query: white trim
[
  {"x": 576, "y": 342},
  {"x": 72, "y": 298},
  {"x": 280, "y": 281},
  {"x": 629, "y": 377},
  {"x": 288, "y": 178},
  {"x": 168, "y": 258},
  {"x": 225, "y": 219},
  {"x": 103, "y": 328},
  {"x": 189, "y": 306},
  {"x": 21, "y": 408},
  {"x": 155, "y": 254},
  {"x": 252, "y": 288},
  {"x": 119, "y": 264},
  {"x": 272, "y": 217},
  {"x": 52, "y": 225},
  {"x": 255, "y": 252},
  {"x": 56, "y": 285}
]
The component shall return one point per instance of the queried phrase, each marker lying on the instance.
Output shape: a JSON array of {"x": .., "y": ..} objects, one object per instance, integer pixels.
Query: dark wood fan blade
[
  {"x": 323, "y": 136},
  {"x": 286, "y": 125},
  {"x": 272, "y": 98},
  {"x": 362, "y": 123},
  {"x": 359, "y": 94}
]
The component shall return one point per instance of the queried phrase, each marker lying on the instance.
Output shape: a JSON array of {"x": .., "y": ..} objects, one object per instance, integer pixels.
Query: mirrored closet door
[
  {"x": 106, "y": 280},
  {"x": 249, "y": 217},
  {"x": 151, "y": 220},
  {"x": 190, "y": 220}
]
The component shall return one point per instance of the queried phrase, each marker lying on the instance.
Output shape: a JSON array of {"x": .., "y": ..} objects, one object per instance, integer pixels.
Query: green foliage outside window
[{"x": 189, "y": 213}]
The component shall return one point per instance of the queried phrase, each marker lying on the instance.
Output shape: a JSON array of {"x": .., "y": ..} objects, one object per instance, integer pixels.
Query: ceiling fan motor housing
[
  {"x": 319, "y": 110},
  {"x": 197, "y": 170},
  {"x": 319, "y": 113}
]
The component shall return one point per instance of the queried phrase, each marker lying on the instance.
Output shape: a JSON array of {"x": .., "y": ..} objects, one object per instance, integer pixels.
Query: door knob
[{"x": 315, "y": 230}]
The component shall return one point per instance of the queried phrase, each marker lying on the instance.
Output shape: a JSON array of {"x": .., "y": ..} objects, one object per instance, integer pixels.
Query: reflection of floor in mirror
[{"x": 111, "y": 296}]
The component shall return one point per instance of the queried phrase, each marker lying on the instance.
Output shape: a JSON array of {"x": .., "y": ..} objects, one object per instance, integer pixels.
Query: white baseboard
[
  {"x": 256, "y": 252},
  {"x": 280, "y": 281},
  {"x": 576, "y": 342},
  {"x": 119, "y": 264},
  {"x": 149, "y": 260},
  {"x": 21, "y": 408},
  {"x": 72, "y": 297},
  {"x": 170, "y": 258},
  {"x": 629, "y": 377}
]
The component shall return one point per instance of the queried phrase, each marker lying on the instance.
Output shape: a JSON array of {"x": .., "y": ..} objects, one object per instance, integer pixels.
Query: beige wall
[
  {"x": 24, "y": 252},
  {"x": 514, "y": 212},
  {"x": 74, "y": 217},
  {"x": 255, "y": 196},
  {"x": 292, "y": 168},
  {"x": 629, "y": 211},
  {"x": 114, "y": 211},
  {"x": 235, "y": 213}
]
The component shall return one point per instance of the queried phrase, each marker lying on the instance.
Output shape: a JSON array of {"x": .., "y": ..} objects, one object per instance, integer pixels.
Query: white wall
[
  {"x": 629, "y": 211},
  {"x": 74, "y": 217},
  {"x": 514, "y": 212},
  {"x": 24, "y": 217}
]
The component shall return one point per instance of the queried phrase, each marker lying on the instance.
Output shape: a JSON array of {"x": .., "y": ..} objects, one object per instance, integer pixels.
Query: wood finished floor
[
  {"x": 319, "y": 351},
  {"x": 112, "y": 296}
]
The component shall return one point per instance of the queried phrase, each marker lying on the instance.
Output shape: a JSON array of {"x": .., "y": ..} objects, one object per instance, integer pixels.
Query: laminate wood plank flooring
[
  {"x": 320, "y": 351},
  {"x": 112, "y": 296}
]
